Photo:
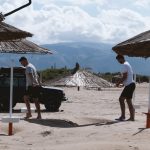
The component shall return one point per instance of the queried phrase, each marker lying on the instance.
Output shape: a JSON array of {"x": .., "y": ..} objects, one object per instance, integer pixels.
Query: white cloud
[
  {"x": 51, "y": 23},
  {"x": 122, "y": 24},
  {"x": 87, "y": 2},
  {"x": 143, "y": 3},
  {"x": 73, "y": 2}
]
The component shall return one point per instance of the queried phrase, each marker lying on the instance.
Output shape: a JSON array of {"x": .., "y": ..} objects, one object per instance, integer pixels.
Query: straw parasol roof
[
  {"x": 82, "y": 78},
  {"x": 8, "y": 32},
  {"x": 138, "y": 46},
  {"x": 21, "y": 46}
]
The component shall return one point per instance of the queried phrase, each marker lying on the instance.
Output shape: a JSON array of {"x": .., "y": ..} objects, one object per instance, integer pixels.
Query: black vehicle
[{"x": 51, "y": 97}]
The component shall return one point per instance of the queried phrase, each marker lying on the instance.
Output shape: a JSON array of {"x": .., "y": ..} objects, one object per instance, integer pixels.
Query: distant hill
[
  {"x": 89, "y": 55},
  {"x": 97, "y": 56}
]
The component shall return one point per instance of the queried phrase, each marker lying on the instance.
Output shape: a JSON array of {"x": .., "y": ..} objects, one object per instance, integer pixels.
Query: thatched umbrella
[
  {"x": 82, "y": 78},
  {"x": 7, "y": 45},
  {"x": 21, "y": 46},
  {"x": 8, "y": 32},
  {"x": 138, "y": 46}
]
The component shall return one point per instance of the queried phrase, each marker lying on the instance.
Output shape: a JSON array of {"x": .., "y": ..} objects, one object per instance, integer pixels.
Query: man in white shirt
[
  {"x": 127, "y": 93},
  {"x": 32, "y": 87}
]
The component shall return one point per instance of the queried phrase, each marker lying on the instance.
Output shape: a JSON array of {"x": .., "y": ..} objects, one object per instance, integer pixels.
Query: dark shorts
[
  {"x": 33, "y": 92},
  {"x": 128, "y": 91}
]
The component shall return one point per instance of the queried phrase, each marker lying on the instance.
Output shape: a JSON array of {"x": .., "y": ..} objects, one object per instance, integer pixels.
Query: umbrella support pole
[
  {"x": 10, "y": 129},
  {"x": 136, "y": 106},
  {"x": 10, "y": 121},
  {"x": 78, "y": 88},
  {"x": 11, "y": 90},
  {"x": 147, "y": 120}
]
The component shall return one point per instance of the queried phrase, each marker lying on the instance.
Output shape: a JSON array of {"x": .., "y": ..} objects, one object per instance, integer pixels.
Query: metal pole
[
  {"x": 134, "y": 91},
  {"x": 11, "y": 89},
  {"x": 17, "y": 9}
]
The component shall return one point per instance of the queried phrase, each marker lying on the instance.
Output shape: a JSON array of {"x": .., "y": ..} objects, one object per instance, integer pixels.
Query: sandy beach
[{"x": 85, "y": 122}]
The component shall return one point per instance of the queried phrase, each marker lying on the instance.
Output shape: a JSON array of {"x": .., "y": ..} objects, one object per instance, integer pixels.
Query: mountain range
[{"x": 97, "y": 56}]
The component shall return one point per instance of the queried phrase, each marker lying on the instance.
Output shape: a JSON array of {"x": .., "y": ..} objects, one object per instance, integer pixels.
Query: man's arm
[
  {"x": 122, "y": 79},
  {"x": 32, "y": 79}
]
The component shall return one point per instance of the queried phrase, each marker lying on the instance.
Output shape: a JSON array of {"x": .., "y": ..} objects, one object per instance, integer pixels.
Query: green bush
[{"x": 50, "y": 74}]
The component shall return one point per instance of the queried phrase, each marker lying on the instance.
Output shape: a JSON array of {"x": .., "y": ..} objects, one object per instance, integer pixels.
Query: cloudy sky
[{"x": 53, "y": 21}]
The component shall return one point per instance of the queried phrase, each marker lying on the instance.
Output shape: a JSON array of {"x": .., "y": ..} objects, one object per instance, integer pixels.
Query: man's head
[
  {"x": 23, "y": 61},
  {"x": 120, "y": 59}
]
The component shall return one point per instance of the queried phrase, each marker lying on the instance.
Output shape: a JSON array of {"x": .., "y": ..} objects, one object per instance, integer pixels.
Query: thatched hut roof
[
  {"x": 21, "y": 46},
  {"x": 138, "y": 46},
  {"x": 8, "y": 32},
  {"x": 81, "y": 78}
]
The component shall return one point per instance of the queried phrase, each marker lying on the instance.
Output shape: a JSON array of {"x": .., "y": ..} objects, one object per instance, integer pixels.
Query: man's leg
[
  {"x": 27, "y": 102},
  {"x": 37, "y": 105},
  {"x": 131, "y": 109},
  {"x": 122, "y": 107}
]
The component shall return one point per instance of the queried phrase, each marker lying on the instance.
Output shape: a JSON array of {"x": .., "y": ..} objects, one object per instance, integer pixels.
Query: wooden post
[
  {"x": 10, "y": 121},
  {"x": 148, "y": 121},
  {"x": 78, "y": 88},
  {"x": 10, "y": 129}
]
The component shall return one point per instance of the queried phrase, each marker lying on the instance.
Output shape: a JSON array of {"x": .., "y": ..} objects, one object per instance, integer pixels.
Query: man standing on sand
[
  {"x": 127, "y": 80},
  {"x": 32, "y": 87}
]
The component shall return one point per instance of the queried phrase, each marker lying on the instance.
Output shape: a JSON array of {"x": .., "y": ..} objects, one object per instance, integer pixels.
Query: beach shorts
[
  {"x": 128, "y": 91},
  {"x": 33, "y": 92}
]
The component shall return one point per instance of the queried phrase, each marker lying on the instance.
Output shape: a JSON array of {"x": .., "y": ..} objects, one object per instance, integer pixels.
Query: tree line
[
  {"x": 55, "y": 73},
  {"x": 111, "y": 77}
]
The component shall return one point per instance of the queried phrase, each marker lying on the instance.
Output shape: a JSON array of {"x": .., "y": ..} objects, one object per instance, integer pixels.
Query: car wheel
[
  {"x": 1, "y": 107},
  {"x": 52, "y": 106}
]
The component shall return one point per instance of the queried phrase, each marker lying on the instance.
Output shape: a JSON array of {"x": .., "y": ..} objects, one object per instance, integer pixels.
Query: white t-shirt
[
  {"x": 31, "y": 69},
  {"x": 128, "y": 69}
]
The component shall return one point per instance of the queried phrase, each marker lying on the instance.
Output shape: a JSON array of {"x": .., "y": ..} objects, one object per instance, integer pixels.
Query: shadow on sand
[
  {"x": 53, "y": 123},
  {"x": 140, "y": 130},
  {"x": 67, "y": 123},
  {"x": 4, "y": 135},
  {"x": 14, "y": 111}
]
